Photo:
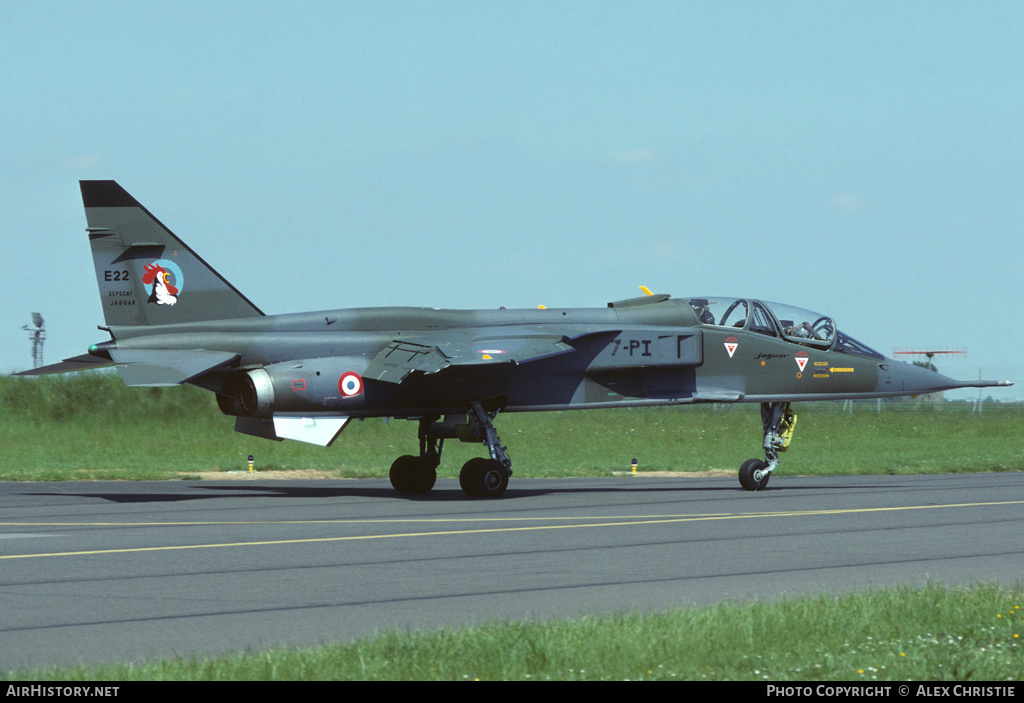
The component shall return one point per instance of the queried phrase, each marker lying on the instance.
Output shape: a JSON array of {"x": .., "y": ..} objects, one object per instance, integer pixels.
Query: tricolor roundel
[{"x": 350, "y": 384}]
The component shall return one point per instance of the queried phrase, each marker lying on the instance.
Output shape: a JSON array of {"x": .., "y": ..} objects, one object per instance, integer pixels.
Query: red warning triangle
[{"x": 801, "y": 360}]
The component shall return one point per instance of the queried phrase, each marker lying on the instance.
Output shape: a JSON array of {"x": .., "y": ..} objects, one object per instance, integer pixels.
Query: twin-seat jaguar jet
[{"x": 172, "y": 319}]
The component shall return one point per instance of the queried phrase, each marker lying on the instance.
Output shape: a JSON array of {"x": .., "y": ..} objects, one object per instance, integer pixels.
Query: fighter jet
[{"x": 172, "y": 319}]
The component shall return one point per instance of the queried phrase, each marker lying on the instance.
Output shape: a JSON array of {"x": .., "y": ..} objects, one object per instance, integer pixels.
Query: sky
[{"x": 864, "y": 159}]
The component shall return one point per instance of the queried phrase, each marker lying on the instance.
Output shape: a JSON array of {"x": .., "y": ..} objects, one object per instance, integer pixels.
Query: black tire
[
  {"x": 413, "y": 475},
  {"x": 468, "y": 477},
  {"x": 747, "y": 471},
  {"x": 483, "y": 478}
]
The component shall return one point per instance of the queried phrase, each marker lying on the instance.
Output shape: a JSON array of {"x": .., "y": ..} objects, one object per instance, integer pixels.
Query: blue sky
[{"x": 861, "y": 159}]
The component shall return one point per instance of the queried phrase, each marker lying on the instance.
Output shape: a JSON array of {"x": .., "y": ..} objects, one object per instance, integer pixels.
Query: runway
[{"x": 100, "y": 571}]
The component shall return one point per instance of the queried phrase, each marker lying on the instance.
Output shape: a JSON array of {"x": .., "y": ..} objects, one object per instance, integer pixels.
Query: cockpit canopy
[{"x": 776, "y": 320}]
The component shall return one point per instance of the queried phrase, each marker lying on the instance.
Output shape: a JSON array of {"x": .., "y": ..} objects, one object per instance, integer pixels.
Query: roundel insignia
[{"x": 350, "y": 384}]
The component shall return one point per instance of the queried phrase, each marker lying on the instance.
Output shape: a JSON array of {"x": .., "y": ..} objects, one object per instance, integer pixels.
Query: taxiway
[{"x": 106, "y": 571}]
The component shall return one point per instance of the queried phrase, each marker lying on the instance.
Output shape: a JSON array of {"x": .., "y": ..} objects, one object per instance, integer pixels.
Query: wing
[{"x": 434, "y": 353}]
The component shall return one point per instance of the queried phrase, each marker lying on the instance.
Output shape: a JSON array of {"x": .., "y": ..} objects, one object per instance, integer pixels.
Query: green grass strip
[
  {"x": 90, "y": 426},
  {"x": 932, "y": 633}
]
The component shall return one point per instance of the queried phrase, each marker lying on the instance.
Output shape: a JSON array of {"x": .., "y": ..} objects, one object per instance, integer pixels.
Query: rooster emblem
[{"x": 157, "y": 280}]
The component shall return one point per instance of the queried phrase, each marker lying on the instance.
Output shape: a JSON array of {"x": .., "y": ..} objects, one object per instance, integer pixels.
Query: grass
[
  {"x": 934, "y": 633},
  {"x": 90, "y": 426}
]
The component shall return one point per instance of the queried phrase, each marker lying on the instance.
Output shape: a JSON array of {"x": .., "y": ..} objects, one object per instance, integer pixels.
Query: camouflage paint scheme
[{"x": 173, "y": 319}]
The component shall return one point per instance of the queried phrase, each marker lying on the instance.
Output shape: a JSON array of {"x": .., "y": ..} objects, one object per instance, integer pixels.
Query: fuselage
[{"x": 645, "y": 351}]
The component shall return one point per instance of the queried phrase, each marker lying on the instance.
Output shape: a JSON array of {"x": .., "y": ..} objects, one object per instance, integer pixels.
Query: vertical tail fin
[{"x": 146, "y": 275}]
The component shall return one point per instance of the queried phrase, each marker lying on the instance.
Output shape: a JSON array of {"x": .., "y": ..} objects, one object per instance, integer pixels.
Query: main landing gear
[
  {"x": 779, "y": 422},
  {"x": 479, "y": 478}
]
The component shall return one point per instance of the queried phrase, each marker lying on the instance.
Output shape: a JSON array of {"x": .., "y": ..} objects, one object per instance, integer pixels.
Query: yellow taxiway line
[{"x": 609, "y": 521}]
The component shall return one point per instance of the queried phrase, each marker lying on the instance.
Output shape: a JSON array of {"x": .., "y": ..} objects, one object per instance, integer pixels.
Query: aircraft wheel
[
  {"x": 483, "y": 478},
  {"x": 751, "y": 477},
  {"x": 412, "y": 474}
]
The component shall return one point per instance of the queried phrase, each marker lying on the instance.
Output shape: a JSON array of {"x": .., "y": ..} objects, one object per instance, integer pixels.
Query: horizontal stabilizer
[
  {"x": 312, "y": 430},
  {"x": 166, "y": 367},
  {"x": 75, "y": 363}
]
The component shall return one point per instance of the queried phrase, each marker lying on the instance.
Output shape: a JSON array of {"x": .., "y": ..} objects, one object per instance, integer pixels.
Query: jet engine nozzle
[{"x": 249, "y": 395}]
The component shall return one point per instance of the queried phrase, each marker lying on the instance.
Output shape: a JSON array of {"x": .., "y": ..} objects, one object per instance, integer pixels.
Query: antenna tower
[{"x": 37, "y": 335}]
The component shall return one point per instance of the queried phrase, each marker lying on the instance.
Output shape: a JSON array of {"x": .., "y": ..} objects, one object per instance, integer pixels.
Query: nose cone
[{"x": 896, "y": 378}]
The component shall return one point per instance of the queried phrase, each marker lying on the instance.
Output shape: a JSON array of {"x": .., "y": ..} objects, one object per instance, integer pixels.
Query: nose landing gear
[{"x": 779, "y": 422}]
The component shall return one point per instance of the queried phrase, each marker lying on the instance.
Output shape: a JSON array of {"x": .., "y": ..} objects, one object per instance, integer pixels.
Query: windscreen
[{"x": 848, "y": 345}]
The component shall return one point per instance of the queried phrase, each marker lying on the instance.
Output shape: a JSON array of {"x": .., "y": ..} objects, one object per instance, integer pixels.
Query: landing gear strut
[
  {"x": 778, "y": 422},
  {"x": 479, "y": 478},
  {"x": 485, "y": 478}
]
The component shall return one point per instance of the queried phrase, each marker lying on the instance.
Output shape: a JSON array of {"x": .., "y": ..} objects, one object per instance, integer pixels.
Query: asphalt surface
[{"x": 106, "y": 571}]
